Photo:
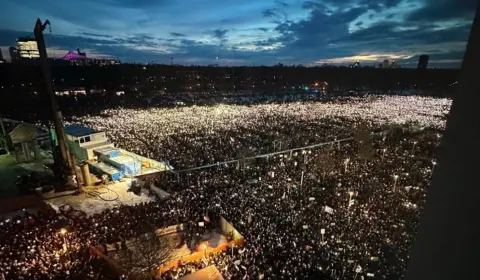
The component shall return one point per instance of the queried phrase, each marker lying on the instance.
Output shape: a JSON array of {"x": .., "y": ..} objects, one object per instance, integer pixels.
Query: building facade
[
  {"x": 13, "y": 53},
  {"x": 423, "y": 61},
  {"x": 27, "y": 48},
  {"x": 386, "y": 64}
]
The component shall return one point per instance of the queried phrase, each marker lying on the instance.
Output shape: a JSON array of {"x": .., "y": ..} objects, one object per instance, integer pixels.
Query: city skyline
[{"x": 244, "y": 33}]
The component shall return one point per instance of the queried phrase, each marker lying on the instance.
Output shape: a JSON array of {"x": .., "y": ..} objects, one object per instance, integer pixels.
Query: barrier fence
[{"x": 264, "y": 155}]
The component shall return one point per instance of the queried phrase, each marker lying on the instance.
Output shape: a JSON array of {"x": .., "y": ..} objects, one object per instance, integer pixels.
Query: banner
[{"x": 329, "y": 210}]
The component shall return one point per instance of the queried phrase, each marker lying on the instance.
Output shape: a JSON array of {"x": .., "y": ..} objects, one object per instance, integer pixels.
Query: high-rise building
[
  {"x": 1, "y": 55},
  {"x": 394, "y": 64},
  {"x": 386, "y": 63},
  {"x": 13, "y": 53},
  {"x": 423, "y": 61},
  {"x": 27, "y": 48}
]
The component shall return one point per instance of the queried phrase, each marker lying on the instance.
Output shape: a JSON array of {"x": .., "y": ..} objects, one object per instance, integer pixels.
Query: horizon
[{"x": 237, "y": 33}]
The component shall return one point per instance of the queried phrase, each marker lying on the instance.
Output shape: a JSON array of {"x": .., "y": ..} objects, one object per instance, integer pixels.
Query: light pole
[
  {"x": 346, "y": 164},
  {"x": 4, "y": 136},
  {"x": 395, "y": 178},
  {"x": 63, "y": 231},
  {"x": 204, "y": 248},
  {"x": 383, "y": 154},
  {"x": 350, "y": 195},
  {"x": 414, "y": 144},
  {"x": 433, "y": 165}
]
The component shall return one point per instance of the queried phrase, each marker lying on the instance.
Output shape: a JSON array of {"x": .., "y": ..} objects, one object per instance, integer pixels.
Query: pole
[
  {"x": 4, "y": 136},
  {"x": 301, "y": 179},
  {"x": 57, "y": 117},
  {"x": 350, "y": 194}
]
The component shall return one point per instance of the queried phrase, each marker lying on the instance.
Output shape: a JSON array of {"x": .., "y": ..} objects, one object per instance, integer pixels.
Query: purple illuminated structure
[{"x": 74, "y": 56}]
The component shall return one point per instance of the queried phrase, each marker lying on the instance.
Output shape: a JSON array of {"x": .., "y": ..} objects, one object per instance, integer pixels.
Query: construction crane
[{"x": 64, "y": 161}]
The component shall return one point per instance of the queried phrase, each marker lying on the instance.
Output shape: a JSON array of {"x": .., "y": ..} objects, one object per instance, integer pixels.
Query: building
[
  {"x": 1, "y": 54},
  {"x": 27, "y": 48},
  {"x": 423, "y": 61},
  {"x": 72, "y": 56},
  {"x": 82, "y": 141},
  {"x": 394, "y": 64},
  {"x": 13, "y": 53},
  {"x": 80, "y": 58},
  {"x": 386, "y": 63},
  {"x": 71, "y": 91}
]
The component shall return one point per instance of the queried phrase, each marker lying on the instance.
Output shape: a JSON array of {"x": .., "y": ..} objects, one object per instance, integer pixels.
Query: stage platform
[
  {"x": 174, "y": 237},
  {"x": 149, "y": 165},
  {"x": 175, "y": 245},
  {"x": 208, "y": 273},
  {"x": 94, "y": 200}
]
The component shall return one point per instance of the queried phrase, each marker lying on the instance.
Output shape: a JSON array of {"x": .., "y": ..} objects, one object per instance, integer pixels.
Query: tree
[{"x": 140, "y": 258}]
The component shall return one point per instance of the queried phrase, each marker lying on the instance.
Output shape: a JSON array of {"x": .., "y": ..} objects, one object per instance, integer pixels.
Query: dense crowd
[
  {"x": 341, "y": 211},
  {"x": 191, "y": 136}
]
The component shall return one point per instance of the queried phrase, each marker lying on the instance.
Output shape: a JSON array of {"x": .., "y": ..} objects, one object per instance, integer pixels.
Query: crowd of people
[
  {"x": 192, "y": 136},
  {"x": 345, "y": 210}
]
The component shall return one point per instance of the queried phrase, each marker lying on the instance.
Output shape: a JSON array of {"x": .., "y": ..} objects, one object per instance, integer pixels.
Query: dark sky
[{"x": 246, "y": 32}]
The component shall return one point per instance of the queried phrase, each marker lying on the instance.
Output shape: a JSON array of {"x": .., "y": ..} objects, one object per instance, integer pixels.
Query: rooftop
[
  {"x": 77, "y": 130},
  {"x": 25, "y": 39}
]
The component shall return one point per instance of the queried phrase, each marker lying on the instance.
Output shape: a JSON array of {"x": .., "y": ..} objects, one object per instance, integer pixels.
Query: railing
[{"x": 265, "y": 155}]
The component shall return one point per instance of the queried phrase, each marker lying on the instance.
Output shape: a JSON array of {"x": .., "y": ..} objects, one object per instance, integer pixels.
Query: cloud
[
  {"x": 95, "y": 34},
  {"x": 269, "y": 13},
  {"x": 365, "y": 58},
  {"x": 260, "y": 32},
  {"x": 175, "y": 34},
  {"x": 281, "y": 3},
  {"x": 442, "y": 10},
  {"x": 220, "y": 33}
]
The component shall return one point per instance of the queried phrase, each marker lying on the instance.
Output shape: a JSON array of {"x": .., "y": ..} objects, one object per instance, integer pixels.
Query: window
[
  {"x": 82, "y": 140},
  {"x": 87, "y": 139}
]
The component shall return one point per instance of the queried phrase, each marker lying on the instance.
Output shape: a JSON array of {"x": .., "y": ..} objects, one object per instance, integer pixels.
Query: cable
[
  {"x": 104, "y": 199},
  {"x": 99, "y": 194}
]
